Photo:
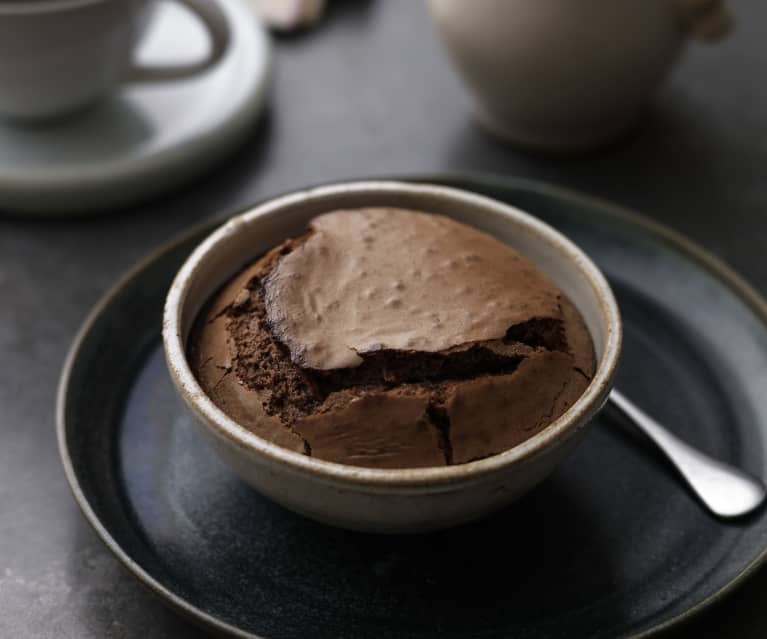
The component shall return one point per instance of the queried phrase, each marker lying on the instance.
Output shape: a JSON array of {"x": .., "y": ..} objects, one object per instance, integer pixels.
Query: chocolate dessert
[{"x": 390, "y": 338}]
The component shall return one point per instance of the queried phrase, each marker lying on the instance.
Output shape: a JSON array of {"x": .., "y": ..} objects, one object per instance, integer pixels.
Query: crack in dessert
[{"x": 391, "y": 338}]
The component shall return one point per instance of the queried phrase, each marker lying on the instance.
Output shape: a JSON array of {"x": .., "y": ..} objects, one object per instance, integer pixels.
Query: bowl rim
[{"x": 224, "y": 427}]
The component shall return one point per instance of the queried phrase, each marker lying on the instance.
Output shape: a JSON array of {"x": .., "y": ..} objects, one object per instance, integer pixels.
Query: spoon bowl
[{"x": 725, "y": 490}]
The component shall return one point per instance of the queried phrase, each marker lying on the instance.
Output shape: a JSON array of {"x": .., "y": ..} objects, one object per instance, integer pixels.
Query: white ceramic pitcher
[{"x": 567, "y": 74}]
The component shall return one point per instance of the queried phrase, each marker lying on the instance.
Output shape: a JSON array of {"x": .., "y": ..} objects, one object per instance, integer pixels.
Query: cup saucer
[{"x": 148, "y": 137}]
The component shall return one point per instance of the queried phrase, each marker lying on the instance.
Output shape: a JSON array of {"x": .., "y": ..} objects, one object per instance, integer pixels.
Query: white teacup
[
  {"x": 561, "y": 74},
  {"x": 57, "y": 56}
]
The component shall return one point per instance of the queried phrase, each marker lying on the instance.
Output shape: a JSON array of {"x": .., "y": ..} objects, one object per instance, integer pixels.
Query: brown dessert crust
[{"x": 463, "y": 389}]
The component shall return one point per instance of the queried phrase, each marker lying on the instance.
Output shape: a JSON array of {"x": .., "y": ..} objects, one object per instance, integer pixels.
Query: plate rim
[{"x": 714, "y": 265}]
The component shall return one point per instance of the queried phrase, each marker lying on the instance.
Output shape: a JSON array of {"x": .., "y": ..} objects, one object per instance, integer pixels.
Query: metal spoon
[{"x": 725, "y": 490}]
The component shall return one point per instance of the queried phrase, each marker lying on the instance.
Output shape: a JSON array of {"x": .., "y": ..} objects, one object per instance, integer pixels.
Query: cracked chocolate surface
[{"x": 485, "y": 383}]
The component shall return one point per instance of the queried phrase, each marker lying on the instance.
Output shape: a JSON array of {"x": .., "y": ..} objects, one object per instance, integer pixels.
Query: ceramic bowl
[{"x": 389, "y": 500}]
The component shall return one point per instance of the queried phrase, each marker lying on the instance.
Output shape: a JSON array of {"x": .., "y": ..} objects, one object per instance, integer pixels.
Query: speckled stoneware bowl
[{"x": 390, "y": 500}]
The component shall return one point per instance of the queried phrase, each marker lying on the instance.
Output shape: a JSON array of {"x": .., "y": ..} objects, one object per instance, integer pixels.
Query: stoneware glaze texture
[{"x": 405, "y": 500}]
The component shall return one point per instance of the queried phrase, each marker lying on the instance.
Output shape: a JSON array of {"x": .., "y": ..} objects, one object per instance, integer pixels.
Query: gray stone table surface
[{"x": 369, "y": 92}]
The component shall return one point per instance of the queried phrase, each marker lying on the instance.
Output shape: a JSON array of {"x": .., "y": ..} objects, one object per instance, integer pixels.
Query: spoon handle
[{"x": 725, "y": 490}]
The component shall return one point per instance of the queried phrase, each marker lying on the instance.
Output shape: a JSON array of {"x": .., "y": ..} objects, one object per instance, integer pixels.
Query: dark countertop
[{"x": 369, "y": 93}]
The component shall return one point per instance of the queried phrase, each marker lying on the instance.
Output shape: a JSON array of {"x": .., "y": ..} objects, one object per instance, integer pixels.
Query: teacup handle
[
  {"x": 217, "y": 25},
  {"x": 707, "y": 20}
]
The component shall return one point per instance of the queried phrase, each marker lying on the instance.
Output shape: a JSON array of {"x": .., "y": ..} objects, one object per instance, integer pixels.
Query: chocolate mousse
[{"x": 390, "y": 338}]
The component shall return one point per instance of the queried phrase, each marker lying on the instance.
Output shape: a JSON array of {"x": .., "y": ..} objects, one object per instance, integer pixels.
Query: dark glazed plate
[{"x": 609, "y": 546}]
